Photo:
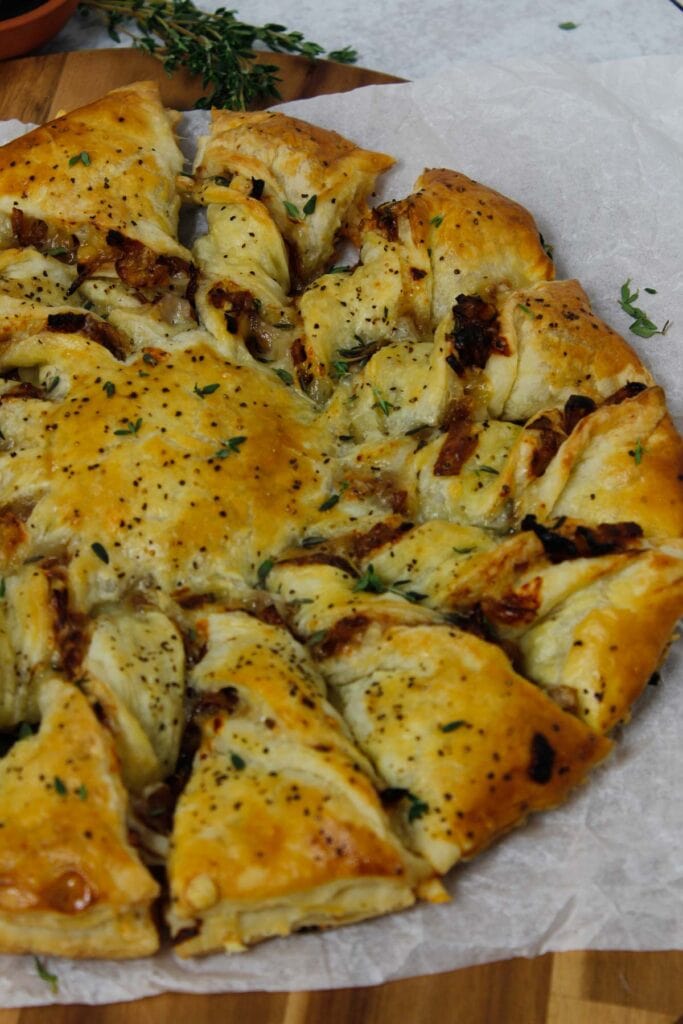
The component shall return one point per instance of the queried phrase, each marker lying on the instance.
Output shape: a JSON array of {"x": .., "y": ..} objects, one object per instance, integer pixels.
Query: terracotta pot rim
[{"x": 23, "y": 20}]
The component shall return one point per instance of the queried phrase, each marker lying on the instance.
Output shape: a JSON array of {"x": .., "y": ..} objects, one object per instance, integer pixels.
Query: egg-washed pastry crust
[{"x": 316, "y": 578}]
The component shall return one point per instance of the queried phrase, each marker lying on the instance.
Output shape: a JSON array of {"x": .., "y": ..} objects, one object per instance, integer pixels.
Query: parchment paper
[{"x": 595, "y": 153}]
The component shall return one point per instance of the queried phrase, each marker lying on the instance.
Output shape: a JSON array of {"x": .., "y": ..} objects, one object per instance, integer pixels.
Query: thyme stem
[{"x": 215, "y": 45}]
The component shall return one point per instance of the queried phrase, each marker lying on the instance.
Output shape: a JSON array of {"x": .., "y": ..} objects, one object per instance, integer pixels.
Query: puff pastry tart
[{"x": 315, "y": 579}]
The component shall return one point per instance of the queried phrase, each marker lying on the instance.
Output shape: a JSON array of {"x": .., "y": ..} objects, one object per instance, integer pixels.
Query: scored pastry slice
[
  {"x": 538, "y": 346},
  {"x": 30, "y": 281},
  {"x": 466, "y": 747},
  {"x": 585, "y": 612},
  {"x": 400, "y": 389},
  {"x": 313, "y": 182},
  {"x": 134, "y": 667},
  {"x": 350, "y": 312},
  {"x": 70, "y": 882},
  {"x": 98, "y": 186},
  {"x": 621, "y": 462},
  {"x": 242, "y": 297},
  {"x": 279, "y": 827},
  {"x": 460, "y": 237},
  {"x": 29, "y": 642},
  {"x": 593, "y": 631}
]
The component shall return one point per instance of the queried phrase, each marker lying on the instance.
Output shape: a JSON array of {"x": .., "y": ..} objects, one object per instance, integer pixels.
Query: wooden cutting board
[
  {"x": 568, "y": 988},
  {"x": 36, "y": 88}
]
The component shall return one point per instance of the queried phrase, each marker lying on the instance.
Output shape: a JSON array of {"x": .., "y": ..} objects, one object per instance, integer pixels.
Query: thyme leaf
[
  {"x": 101, "y": 552},
  {"x": 208, "y": 389},
  {"x": 642, "y": 326},
  {"x": 263, "y": 570},
  {"x": 230, "y": 446},
  {"x": 130, "y": 428},
  {"x": 50, "y": 979}
]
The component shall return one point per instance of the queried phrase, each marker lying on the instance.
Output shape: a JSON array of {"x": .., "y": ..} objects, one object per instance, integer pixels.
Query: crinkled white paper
[{"x": 595, "y": 153}]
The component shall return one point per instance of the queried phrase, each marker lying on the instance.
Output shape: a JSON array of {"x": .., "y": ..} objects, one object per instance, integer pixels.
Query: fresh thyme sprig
[{"x": 215, "y": 45}]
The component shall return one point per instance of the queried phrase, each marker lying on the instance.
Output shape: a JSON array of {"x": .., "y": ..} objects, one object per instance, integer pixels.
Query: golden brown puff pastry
[
  {"x": 224, "y": 503},
  {"x": 243, "y": 297},
  {"x": 549, "y": 347},
  {"x": 585, "y": 612},
  {"x": 474, "y": 240},
  {"x": 135, "y": 668},
  {"x": 104, "y": 171},
  {"x": 314, "y": 182},
  {"x": 466, "y": 746},
  {"x": 405, "y": 687},
  {"x": 279, "y": 826},
  {"x": 404, "y": 387},
  {"x": 37, "y": 293},
  {"x": 162, "y": 441},
  {"x": 628, "y": 448},
  {"x": 594, "y": 644},
  {"x": 71, "y": 884},
  {"x": 28, "y": 275},
  {"x": 143, "y": 318},
  {"x": 28, "y": 643},
  {"x": 352, "y": 311}
]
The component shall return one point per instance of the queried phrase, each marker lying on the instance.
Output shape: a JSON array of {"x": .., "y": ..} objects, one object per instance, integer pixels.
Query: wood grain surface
[{"x": 567, "y": 988}]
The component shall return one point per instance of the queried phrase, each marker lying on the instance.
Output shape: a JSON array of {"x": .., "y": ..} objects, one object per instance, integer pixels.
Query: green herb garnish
[
  {"x": 317, "y": 637},
  {"x": 370, "y": 581},
  {"x": 238, "y": 762},
  {"x": 341, "y": 367},
  {"x": 525, "y": 309},
  {"x": 50, "y": 979},
  {"x": 312, "y": 541},
  {"x": 567, "y": 26},
  {"x": 452, "y": 726},
  {"x": 131, "y": 428},
  {"x": 309, "y": 206},
  {"x": 638, "y": 452},
  {"x": 263, "y": 570},
  {"x": 83, "y": 158},
  {"x": 232, "y": 445},
  {"x": 382, "y": 404},
  {"x": 82, "y": 792},
  {"x": 437, "y": 221},
  {"x": 642, "y": 326},
  {"x": 59, "y": 786},
  {"x": 285, "y": 376},
  {"x": 208, "y": 389},
  {"x": 108, "y": 388},
  {"x": 101, "y": 552},
  {"x": 418, "y": 808},
  {"x": 339, "y": 270},
  {"x": 293, "y": 210},
  {"x": 212, "y": 45}
]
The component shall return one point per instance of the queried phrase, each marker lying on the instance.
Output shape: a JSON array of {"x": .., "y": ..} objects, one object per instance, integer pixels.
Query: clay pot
[{"x": 29, "y": 31}]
